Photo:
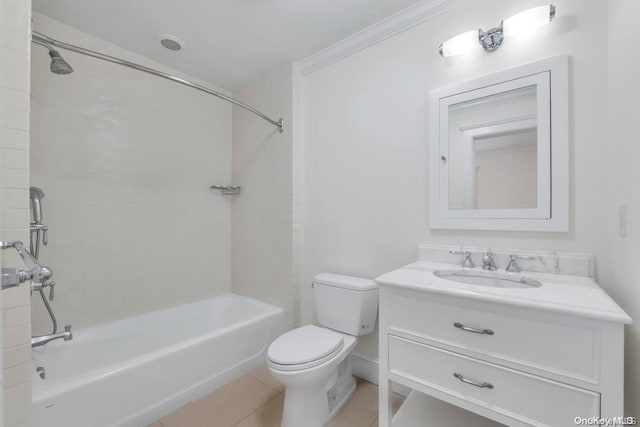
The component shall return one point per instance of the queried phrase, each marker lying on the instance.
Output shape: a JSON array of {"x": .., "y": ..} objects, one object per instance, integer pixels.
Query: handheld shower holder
[{"x": 228, "y": 190}]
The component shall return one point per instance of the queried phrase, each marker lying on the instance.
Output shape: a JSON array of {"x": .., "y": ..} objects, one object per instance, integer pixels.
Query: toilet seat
[{"x": 304, "y": 348}]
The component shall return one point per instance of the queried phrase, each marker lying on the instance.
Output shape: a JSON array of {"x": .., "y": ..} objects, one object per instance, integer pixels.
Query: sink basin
[{"x": 492, "y": 279}]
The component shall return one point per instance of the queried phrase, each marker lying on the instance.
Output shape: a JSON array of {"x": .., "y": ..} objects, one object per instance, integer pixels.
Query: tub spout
[{"x": 43, "y": 339}]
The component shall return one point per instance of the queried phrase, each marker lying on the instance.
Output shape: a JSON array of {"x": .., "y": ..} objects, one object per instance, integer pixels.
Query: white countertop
[{"x": 580, "y": 296}]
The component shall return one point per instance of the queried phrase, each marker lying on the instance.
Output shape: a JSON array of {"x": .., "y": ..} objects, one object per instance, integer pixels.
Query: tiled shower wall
[
  {"x": 126, "y": 161},
  {"x": 15, "y": 19},
  {"x": 265, "y": 218}
]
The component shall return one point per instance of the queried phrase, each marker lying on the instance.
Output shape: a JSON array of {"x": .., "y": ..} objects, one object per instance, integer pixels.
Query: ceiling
[{"x": 229, "y": 43}]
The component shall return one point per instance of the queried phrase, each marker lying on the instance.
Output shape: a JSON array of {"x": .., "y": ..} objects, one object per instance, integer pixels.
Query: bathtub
[{"x": 131, "y": 372}]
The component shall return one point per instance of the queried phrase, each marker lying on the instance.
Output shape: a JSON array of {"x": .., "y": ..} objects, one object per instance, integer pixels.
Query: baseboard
[{"x": 367, "y": 369}]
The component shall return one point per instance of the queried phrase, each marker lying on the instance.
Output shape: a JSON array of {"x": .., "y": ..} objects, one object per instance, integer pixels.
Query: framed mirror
[{"x": 499, "y": 151}]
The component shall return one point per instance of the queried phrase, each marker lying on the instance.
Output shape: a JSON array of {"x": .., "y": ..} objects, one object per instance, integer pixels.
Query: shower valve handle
[{"x": 51, "y": 285}]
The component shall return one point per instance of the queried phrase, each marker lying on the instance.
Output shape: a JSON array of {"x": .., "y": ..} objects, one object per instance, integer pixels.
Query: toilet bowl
[
  {"x": 314, "y": 362},
  {"x": 314, "y": 366}
]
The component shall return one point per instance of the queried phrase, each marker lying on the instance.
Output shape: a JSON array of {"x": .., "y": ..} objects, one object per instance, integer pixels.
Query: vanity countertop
[{"x": 575, "y": 295}]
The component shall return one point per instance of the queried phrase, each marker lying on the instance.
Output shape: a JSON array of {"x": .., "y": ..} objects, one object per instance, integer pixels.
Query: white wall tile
[
  {"x": 16, "y": 14},
  {"x": 15, "y": 71},
  {"x": 16, "y": 316},
  {"x": 15, "y": 297},
  {"x": 13, "y": 356},
  {"x": 13, "y": 198},
  {"x": 14, "y": 159},
  {"x": 14, "y": 118},
  {"x": 13, "y": 98},
  {"x": 16, "y": 375},
  {"x": 18, "y": 394},
  {"x": 14, "y": 217},
  {"x": 127, "y": 157},
  {"x": 16, "y": 335},
  {"x": 14, "y": 178},
  {"x": 15, "y": 20},
  {"x": 14, "y": 39},
  {"x": 14, "y": 138},
  {"x": 262, "y": 215},
  {"x": 17, "y": 414}
]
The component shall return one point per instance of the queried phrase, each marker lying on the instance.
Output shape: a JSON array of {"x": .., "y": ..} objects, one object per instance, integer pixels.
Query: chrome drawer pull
[
  {"x": 464, "y": 380},
  {"x": 474, "y": 330}
]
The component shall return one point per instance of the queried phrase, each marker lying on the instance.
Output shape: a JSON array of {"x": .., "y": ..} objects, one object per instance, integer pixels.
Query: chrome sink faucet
[
  {"x": 467, "y": 262},
  {"x": 487, "y": 261},
  {"x": 43, "y": 339}
]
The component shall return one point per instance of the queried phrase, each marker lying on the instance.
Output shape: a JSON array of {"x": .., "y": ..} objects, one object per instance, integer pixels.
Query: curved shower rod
[{"x": 47, "y": 41}]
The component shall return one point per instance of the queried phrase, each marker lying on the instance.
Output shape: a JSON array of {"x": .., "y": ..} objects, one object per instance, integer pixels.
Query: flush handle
[
  {"x": 474, "y": 330},
  {"x": 471, "y": 382}
]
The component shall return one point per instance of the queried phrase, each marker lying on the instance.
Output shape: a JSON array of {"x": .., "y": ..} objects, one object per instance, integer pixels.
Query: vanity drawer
[
  {"x": 522, "y": 398},
  {"x": 535, "y": 345}
]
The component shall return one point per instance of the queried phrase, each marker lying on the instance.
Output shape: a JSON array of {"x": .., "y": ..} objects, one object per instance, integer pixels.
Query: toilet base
[
  {"x": 315, "y": 407},
  {"x": 341, "y": 397}
]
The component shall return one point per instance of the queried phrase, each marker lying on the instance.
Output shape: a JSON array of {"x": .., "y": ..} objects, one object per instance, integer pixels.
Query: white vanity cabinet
[{"x": 520, "y": 363}]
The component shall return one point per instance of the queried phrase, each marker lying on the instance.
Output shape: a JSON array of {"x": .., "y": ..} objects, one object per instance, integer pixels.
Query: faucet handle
[
  {"x": 513, "y": 266},
  {"x": 67, "y": 328},
  {"x": 467, "y": 262},
  {"x": 51, "y": 285}
]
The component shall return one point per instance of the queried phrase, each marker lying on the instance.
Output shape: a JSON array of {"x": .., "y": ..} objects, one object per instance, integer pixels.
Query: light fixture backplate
[{"x": 491, "y": 39}]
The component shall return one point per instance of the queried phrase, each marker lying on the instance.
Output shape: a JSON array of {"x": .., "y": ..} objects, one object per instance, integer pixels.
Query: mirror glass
[
  {"x": 499, "y": 150},
  {"x": 493, "y": 151}
]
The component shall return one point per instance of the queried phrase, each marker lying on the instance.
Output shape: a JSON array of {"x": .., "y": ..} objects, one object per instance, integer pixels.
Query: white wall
[
  {"x": 365, "y": 137},
  {"x": 15, "y": 381},
  {"x": 265, "y": 238},
  {"x": 126, "y": 160},
  {"x": 618, "y": 256}
]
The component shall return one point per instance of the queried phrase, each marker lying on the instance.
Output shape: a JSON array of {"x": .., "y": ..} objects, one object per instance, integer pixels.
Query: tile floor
[{"x": 256, "y": 400}]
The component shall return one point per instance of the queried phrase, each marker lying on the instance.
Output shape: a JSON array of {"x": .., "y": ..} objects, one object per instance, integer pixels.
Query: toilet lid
[{"x": 304, "y": 345}]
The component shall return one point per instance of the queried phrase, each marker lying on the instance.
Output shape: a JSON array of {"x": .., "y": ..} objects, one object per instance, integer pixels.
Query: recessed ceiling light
[{"x": 171, "y": 42}]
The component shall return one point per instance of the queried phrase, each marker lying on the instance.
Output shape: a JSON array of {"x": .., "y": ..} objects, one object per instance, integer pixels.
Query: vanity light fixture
[{"x": 519, "y": 24}]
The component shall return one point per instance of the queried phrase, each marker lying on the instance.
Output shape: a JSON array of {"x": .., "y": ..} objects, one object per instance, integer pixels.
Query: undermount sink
[{"x": 492, "y": 279}]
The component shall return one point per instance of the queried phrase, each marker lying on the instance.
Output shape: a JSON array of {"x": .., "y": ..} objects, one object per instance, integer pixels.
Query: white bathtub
[{"x": 131, "y": 372}]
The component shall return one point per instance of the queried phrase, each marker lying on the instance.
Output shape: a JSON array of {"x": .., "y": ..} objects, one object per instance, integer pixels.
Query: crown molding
[{"x": 418, "y": 13}]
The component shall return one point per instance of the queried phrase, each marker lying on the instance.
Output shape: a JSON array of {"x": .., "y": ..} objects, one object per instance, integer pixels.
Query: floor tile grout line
[
  {"x": 257, "y": 409},
  {"x": 264, "y": 383}
]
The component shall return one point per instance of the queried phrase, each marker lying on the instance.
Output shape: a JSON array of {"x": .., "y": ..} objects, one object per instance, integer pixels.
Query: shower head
[
  {"x": 36, "y": 195},
  {"x": 58, "y": 64}
]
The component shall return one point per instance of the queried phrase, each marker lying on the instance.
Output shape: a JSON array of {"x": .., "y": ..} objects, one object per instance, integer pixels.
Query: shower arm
[
  {"x": 47, "y": 42},
  {"x": 41, "y": 43}
]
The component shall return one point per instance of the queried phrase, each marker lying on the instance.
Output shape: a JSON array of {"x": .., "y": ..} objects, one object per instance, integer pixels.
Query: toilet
[{"x": 313, "y": 362}]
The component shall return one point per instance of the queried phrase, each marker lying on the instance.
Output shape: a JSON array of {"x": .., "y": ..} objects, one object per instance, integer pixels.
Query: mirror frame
[{"x": 550, "y": 76}]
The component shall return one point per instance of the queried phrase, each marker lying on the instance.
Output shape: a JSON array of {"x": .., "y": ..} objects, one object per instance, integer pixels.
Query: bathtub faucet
[{"x": 43, "y": 339}]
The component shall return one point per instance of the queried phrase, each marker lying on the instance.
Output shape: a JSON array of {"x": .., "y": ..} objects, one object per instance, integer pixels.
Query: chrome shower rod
[{"x": 45, "y": 40}]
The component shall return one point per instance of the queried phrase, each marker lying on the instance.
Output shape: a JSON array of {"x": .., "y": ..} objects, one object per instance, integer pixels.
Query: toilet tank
[{"x": 345, "y": 303}]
